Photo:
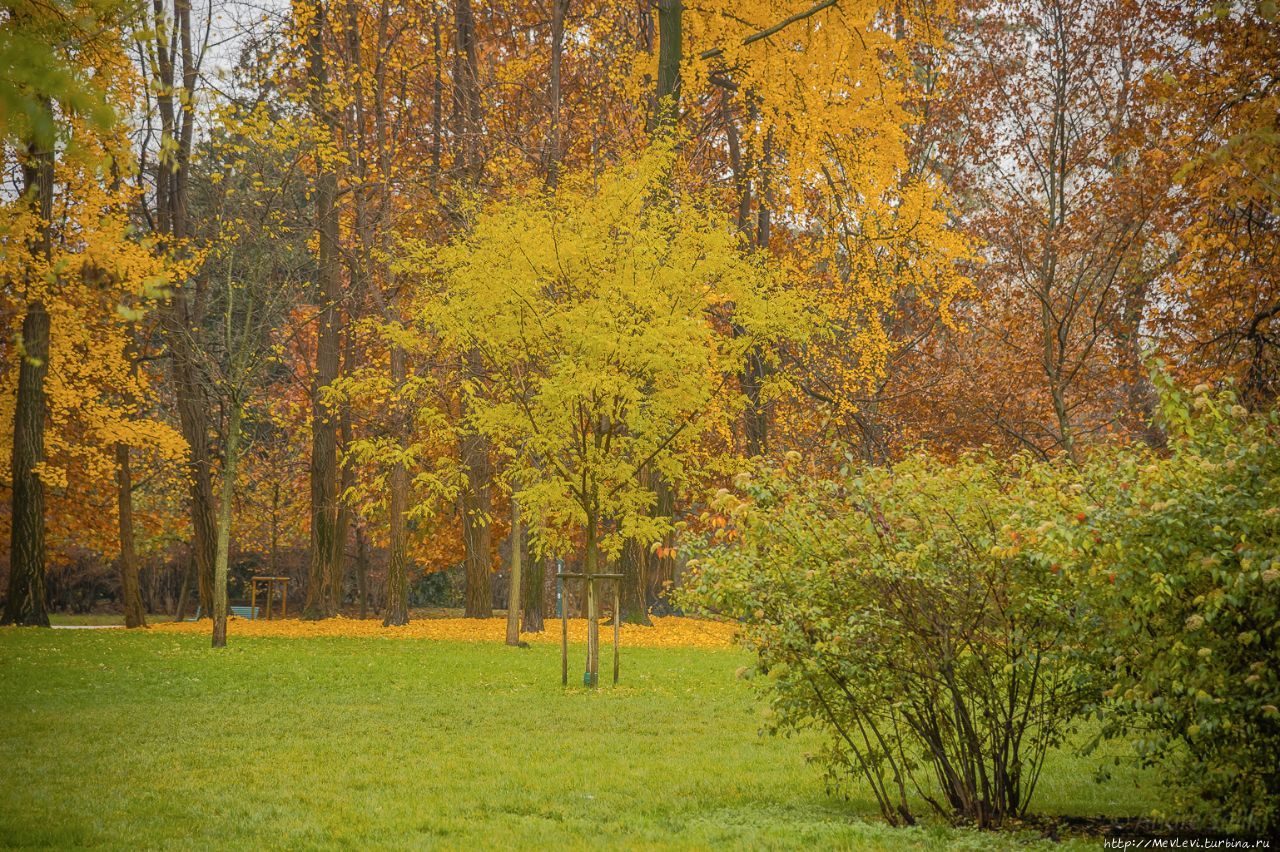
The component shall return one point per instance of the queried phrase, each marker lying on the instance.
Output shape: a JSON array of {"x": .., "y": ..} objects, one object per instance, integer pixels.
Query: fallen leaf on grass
[{"x": 669, "y": 632}]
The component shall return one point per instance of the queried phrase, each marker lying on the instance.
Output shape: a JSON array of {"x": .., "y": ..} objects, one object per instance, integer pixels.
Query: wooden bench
[{"x": 237, "y": 611}]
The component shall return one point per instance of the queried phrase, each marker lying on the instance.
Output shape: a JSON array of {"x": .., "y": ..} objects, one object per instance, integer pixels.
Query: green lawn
[
  {"x": 142, "y": 740},
  {"x": 95, "y": 619}
]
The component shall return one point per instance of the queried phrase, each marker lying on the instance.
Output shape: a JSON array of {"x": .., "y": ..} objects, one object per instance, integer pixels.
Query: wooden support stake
[
  {"x": 253, "y": 599},
  {"x": 564, "y": 632},
  {"x": 593, "y": 633},
  {"x": 617, "y": 623},
  {"x": 591, "y": 677}
]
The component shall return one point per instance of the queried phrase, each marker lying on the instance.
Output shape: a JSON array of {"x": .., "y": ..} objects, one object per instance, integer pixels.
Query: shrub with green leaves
[
  {"x": 913, "y": 614},
  {"x": 1185, "y": 554}
]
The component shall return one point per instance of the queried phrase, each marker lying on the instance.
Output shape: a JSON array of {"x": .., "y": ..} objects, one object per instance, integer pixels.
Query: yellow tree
[
  {"x": 77, "y": 406},
  {"x": 808, "y": 108},
  {"x": 69, "y": 261},
  {"x": 602, "y": 318}
]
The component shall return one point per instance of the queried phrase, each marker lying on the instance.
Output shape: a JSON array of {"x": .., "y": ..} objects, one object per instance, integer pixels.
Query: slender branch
[{"x": 773, "y": 30}]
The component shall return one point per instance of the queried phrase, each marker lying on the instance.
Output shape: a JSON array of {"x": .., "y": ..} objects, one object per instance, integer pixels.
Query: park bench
[{"x": 237, "y": 611}]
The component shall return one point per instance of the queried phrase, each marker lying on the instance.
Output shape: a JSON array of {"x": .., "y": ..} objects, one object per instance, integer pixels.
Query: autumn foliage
[
  {"x": 833, "y": 317},
  {"x": 669, "y": 632}
]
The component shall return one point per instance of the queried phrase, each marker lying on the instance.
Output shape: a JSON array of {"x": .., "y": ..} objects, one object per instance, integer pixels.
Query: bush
[
  {"x": 913, "y": 614},
  {"x": 1185, "y": 551}
]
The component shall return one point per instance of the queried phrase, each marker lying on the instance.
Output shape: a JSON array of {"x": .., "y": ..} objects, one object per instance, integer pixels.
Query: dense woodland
[{"x": 363, "y": 292}]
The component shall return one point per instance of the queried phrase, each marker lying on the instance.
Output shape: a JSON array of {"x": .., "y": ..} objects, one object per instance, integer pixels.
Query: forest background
[{"x": 361, "y": 292}]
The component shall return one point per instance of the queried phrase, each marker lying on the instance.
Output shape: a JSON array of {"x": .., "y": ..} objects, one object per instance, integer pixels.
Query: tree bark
[
  {"x": 559, "y": 8},
  {"x": 346, "y": 480},
  {"x": 533, "y": 597},
  {"x": 756, "y": 424},
  {"x": 437, "y": 104},
  {"x": 475, "y": 500},
  {"x": 193, "y": 420},
  {"x": 397, "y": 564},
  {"x": 476, "y": 533},
  {"x": 26, "y": 597},
  {"x": 134, "y": 613},
  {"x": 324, "y": 420},
  {"x": 179, "y": 320},
  {"x": 591, "y": 568},
  {"x": 661, "y": 571},
  {"x": 670, "y": 55},
  {"x": 755, "y": 419},
  {"x": 275, "y": 529},
  {"x": 26, "y": 601},
  {"x": 184, "y": 589},
  {"x": 635, "y": 583},
  {"x": 515, "y": 579},
  {"x": 466, "y": 98},
  {"x": 230, "y": 461},
  {"x": 362, "y": 573}
]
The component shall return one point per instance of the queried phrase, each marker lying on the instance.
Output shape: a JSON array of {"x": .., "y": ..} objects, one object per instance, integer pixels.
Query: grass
[
  {"x": 131, "y": 740},
  {"x": 95, "y": 619}
]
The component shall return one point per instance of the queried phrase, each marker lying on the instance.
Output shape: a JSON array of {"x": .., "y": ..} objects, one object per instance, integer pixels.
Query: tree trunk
[
  {"x": 26, "y": 601},
  {"x": 184, "y": 589},
  {"x": 635, "y": 583},
  {"x": 591, "y": 568},
  {"x": 134, "y": 614},
  {"x": 476, "y": 533},
  {"x": 559, "y": 8},
  {"x": 275, "y": 529},
  {"x": 324, "y": 420},
  {"x": 516, "y": 580},
  {"x": 437, "y": 104},
  {"x": 347, "y": 478},
  {"x": 1139, "y": 392},
  {"x": 466, "y": 97},
  {"x": 1053, "y": 358},
  {"x": 178, "y": 322},
  {"x": 670, "y": 55},
  {"x": 661, "y": 573},
  {"x": 397, "y": 564},
  {"x": 474, "y": 450},
  {"x": 397, "y": 612},
  {"x": 532, "y": 597},
  {"x": 193, "y": 419},
  {"x": 362, "y": 573},
  {"x": 756, "y": 421},
  {"x": 230, "y": 461}
]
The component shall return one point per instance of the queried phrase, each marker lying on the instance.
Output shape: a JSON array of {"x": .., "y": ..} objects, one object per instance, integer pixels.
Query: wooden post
[
  {"x": 517, "y": 567},
  {"x": 591, "y": 677},
  {"x": 564, "y": 631},
  {"x": 617, "y": 620},
  {"x": 593, "y": 633},
  {"x": 253, "y": 597}
]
